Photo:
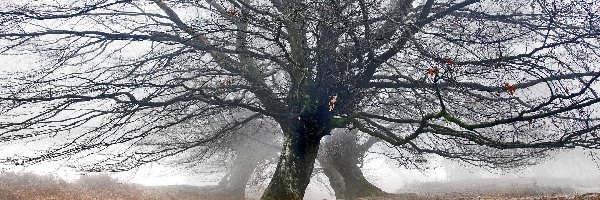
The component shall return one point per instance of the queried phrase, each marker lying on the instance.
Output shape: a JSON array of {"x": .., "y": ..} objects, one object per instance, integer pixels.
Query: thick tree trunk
[
  {"x": 340, "y": 156},
  {"x": 356, "y": 185},
  {"x": 295, "y": 167}
]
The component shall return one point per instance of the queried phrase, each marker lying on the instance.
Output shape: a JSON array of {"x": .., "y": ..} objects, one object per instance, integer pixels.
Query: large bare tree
[{"x": 488, "y": 82}]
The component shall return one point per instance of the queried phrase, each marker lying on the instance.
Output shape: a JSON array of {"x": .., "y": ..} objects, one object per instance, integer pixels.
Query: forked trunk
[
  {"x": 295, "y": 167},
  {"x": 340, "y": 156},
  {"x": 348, "y": 182},
  {"x": 356, "y": 185}
]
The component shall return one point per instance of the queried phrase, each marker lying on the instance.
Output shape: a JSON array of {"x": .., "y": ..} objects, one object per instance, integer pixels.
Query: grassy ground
[
  {"x": 32, "y": 186},
  {"x": 588, "y": 196},
  {"x": 37, "y": 187},
  {"x": 496, "y": 189}
]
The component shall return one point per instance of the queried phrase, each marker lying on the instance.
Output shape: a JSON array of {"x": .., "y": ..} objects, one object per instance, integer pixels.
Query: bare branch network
[{"x": 483, "y": 81}]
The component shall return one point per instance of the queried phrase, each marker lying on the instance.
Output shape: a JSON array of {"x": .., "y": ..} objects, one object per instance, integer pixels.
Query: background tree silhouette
[{"x": 496, "y": 83}]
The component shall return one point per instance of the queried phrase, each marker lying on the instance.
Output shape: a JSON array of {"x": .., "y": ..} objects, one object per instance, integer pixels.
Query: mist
[
  {"x": 306, "y": 99},
  {"x": 570, "y": 171}
]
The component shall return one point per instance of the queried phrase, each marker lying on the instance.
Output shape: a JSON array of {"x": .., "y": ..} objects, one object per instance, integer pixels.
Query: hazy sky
[{"x": 571, "y": 164}]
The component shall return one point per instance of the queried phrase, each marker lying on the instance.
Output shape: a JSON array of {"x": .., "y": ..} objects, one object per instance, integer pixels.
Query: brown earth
[
  {"x": 413, "y": 196},
  {"x": 500, "y": 189},
  {"x": 31, "y": 186}
]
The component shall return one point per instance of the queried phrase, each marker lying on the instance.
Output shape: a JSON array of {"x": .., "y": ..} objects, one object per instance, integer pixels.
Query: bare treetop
[{"x": 483, "y": 81}]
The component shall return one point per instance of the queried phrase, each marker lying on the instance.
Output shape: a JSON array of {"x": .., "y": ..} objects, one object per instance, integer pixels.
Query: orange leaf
[
  {"x": 512, "y": 90},
  {"x": 332, "y": 103},
  {"x": 232, "y": 12},
  {"x": 433, "y": 71}
]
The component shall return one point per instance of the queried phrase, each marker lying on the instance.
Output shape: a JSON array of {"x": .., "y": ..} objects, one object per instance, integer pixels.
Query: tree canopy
[{"x": 493, "y": 82}]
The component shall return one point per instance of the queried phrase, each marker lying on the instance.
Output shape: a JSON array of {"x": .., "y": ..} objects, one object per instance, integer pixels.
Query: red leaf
[
  {"x": 433, "y": 71},
  {"x": 232, "y": 12},
  {"x": 512, "y": 90}
]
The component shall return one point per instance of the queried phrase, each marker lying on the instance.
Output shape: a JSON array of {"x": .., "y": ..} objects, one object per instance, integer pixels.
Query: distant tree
[
  {"x": 252, "y": 145},
  {"x": 490, "y": 82}
]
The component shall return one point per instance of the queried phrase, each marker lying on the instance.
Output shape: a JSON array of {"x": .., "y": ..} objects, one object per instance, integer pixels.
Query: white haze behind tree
[
  {"x": 567, "y": 169},
  {"x": 577, "y": 169},
  {"x": 572, "y": 165}
]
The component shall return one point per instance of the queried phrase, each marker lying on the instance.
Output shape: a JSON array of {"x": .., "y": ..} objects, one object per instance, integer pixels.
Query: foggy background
[{"x": 571, "y": 168}]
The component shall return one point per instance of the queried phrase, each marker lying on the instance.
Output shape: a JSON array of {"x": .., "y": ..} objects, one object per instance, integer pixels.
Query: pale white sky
[{"x": 565, "y": 165}]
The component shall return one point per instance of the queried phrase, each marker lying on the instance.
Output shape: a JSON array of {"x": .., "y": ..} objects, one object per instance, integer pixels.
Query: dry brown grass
[
  {"x": 498, "y": 189},
  {"x": 413, "y": 196},
  {"x": 37, "y": 187}
]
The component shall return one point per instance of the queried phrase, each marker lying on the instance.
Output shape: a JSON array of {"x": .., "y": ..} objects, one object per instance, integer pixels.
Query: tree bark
[
  {"x": 295, "y": 167},
  {"x": 356, "y": 185},
  {"x": 340, "y": 156}
]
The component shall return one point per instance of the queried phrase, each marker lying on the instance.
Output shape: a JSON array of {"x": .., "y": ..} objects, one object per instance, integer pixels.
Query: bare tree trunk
[
  {"x": 295, "y": 167},
  {"x": 349, "y": 178},
  {"x": 356, "y": 185},
  {"x": 340, "y": 156}
]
